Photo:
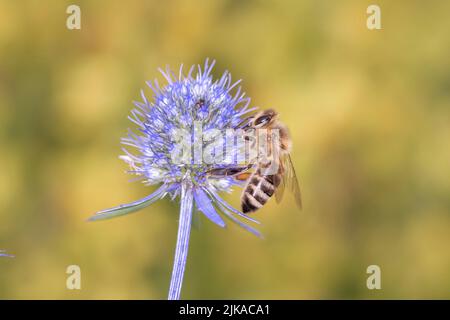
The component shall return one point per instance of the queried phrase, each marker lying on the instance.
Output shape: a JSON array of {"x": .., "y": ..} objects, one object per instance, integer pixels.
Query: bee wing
[
  {"x": 290, "y": 180},
  {"x": 279, "y": 192}
]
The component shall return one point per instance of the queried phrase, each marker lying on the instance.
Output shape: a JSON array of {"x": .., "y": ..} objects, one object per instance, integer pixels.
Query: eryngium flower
[{"x": 182, "y": 103}]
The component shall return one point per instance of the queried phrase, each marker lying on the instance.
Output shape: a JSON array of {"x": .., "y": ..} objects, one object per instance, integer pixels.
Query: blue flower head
[{"x": 189, "y": 107}]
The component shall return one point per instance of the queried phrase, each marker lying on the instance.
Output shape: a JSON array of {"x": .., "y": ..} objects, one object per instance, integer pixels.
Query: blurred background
[{"x": 368, "y": 112}]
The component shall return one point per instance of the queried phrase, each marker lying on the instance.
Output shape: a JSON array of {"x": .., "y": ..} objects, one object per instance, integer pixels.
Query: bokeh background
[{"x": 368, "y": 111}]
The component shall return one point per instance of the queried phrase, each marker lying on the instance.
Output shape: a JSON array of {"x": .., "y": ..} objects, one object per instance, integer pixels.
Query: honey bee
[{"x": 273, "y": 168}]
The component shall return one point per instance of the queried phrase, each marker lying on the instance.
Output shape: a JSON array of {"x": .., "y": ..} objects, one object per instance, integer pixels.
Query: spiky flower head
[{"x": 189, "y": 107}]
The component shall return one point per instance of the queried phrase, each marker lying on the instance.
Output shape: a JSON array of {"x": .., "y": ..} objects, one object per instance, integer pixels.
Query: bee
[{"x": 273, "y": 168}]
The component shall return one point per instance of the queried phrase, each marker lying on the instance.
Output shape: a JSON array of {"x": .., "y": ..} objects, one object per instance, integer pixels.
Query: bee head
[{"x": 266, "y": 118}]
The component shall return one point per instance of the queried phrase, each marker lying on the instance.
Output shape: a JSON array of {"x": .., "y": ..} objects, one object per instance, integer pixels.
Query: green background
[{"x": 368, "y": 112}]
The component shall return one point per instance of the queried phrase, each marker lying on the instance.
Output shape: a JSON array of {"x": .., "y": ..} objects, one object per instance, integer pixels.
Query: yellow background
[{"x": 368, "y": 112}]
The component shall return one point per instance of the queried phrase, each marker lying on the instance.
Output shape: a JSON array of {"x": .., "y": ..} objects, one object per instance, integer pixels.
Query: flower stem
[{"x": 181, "y": 251}]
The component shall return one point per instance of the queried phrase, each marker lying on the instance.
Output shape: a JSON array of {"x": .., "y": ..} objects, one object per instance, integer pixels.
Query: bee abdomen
[
  {"x": 274, "y": 179},
  {"x": 249, "y": 203},
  {"x": 258, "y": 191}
]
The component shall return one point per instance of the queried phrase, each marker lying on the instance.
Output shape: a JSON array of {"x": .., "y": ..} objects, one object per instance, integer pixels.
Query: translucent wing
[
  {"x": 290, "y": 180},
  {"x": 279, "y": 192}
]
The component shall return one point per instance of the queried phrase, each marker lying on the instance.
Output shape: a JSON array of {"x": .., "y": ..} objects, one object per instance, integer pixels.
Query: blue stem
[{"x": 181, "y": 251}]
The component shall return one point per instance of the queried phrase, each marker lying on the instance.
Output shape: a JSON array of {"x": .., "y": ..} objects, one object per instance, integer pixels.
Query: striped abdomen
[{"x": 259, "y": 189}]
